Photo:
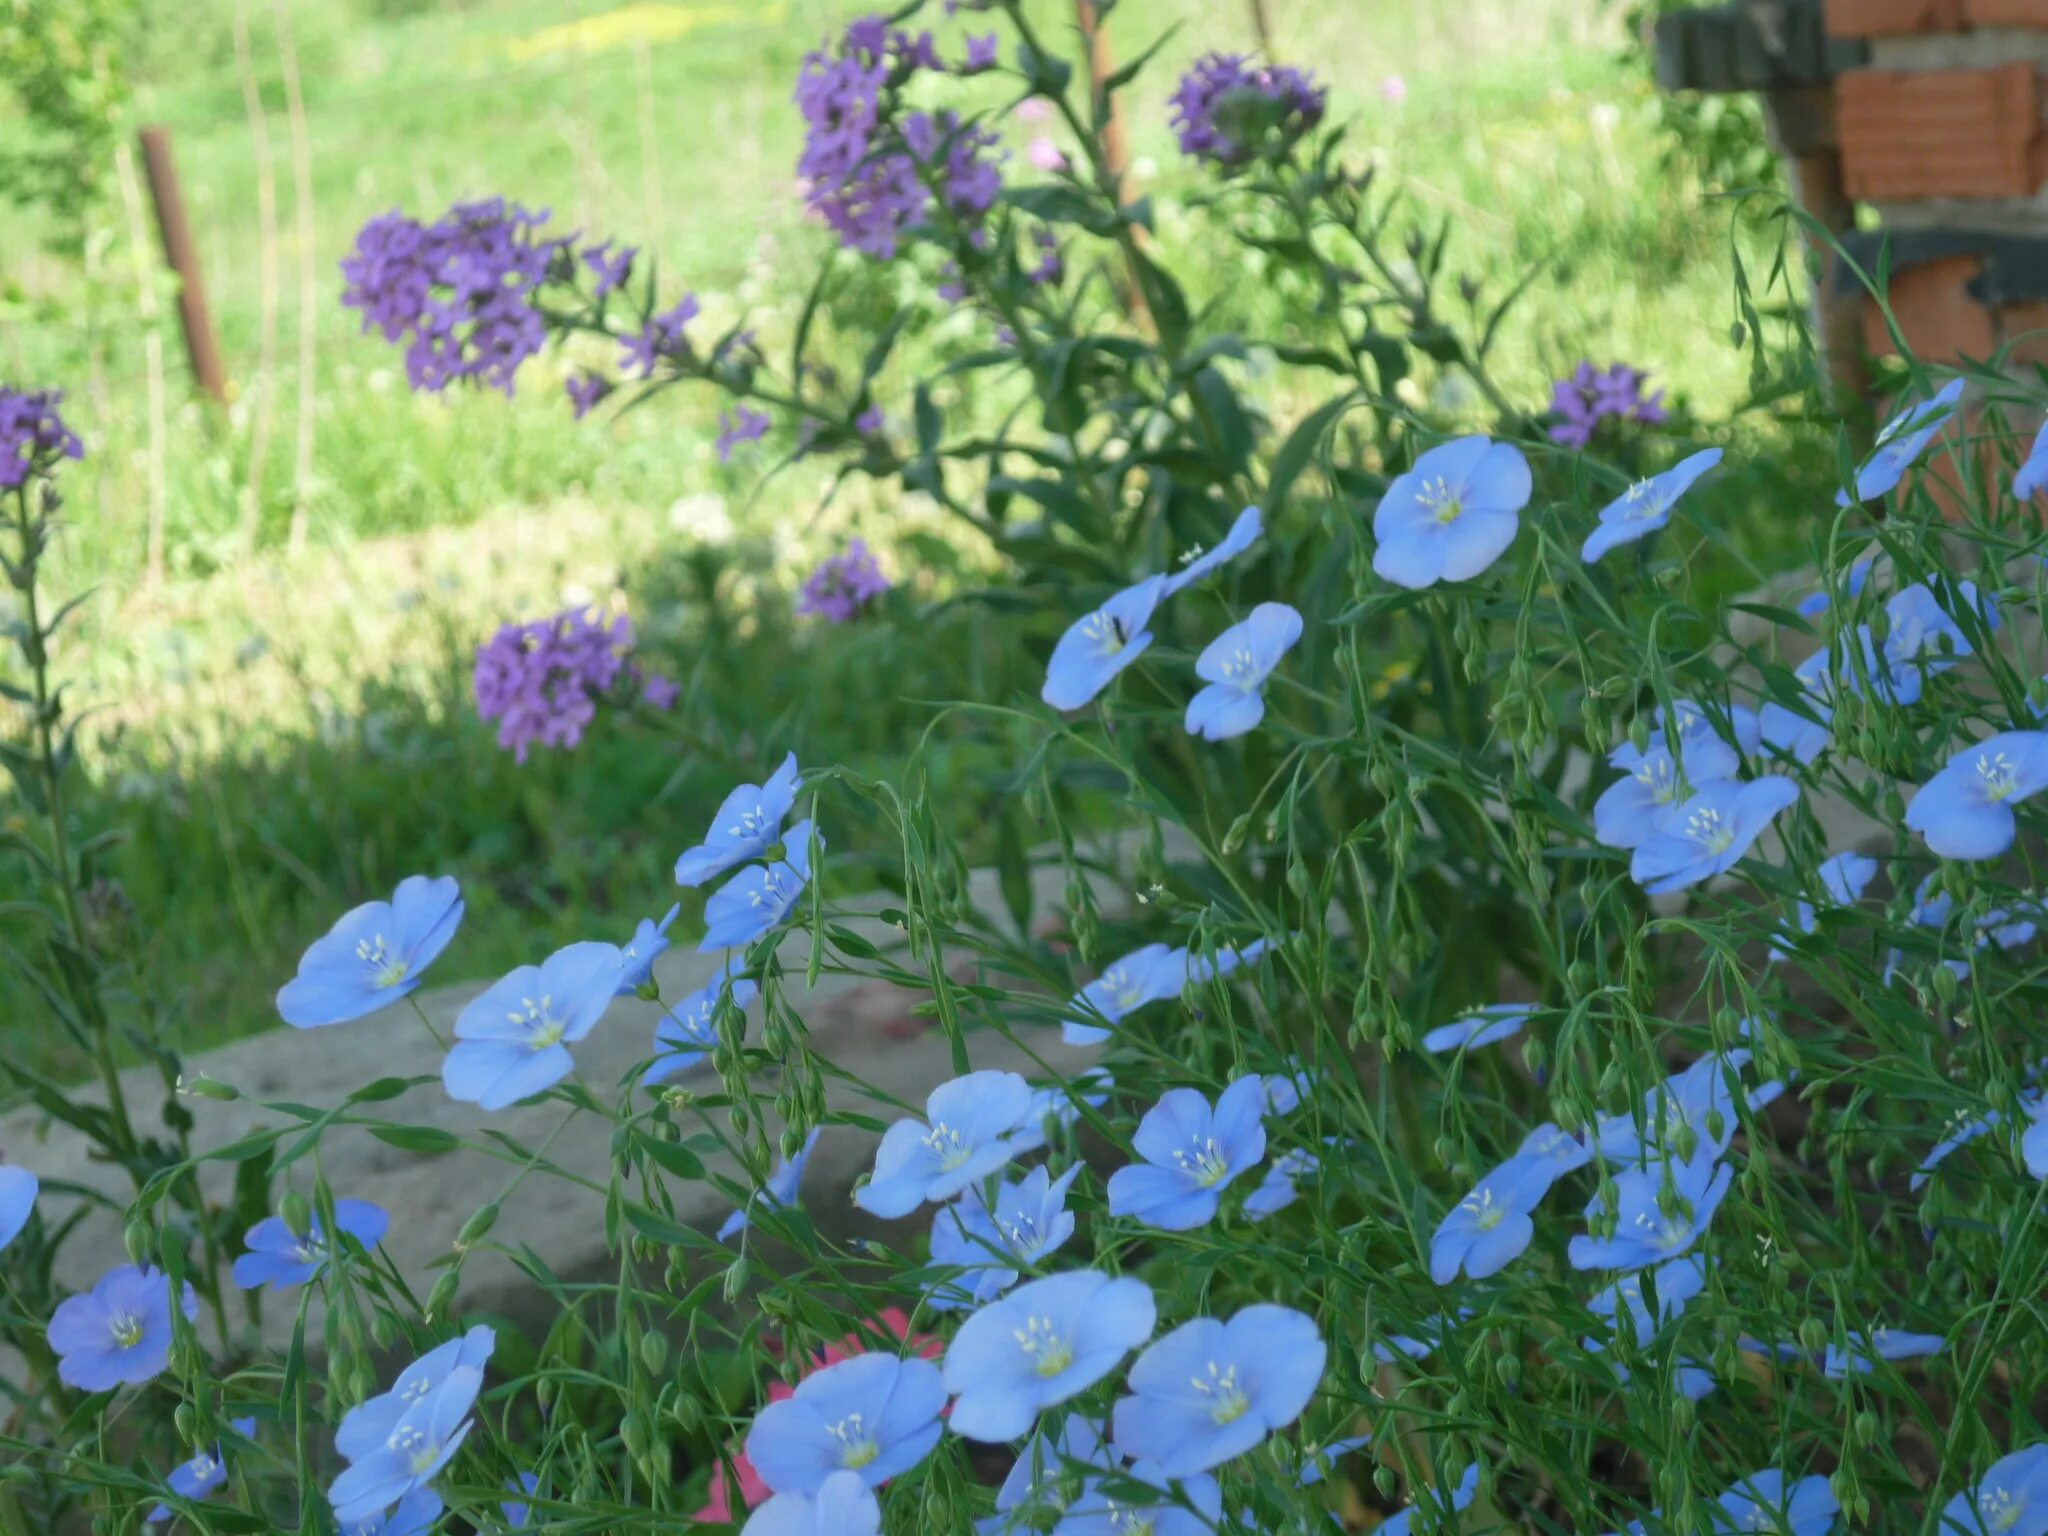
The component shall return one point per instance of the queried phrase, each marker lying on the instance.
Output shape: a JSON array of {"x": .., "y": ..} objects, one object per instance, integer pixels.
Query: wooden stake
[
  {"x": 1115, "y": 148},
  {"x": 309, "y": 283},
  {"x": 152, "y": 353},
  {"x": 200, "y": 345},
  {"x": 262, "y": 403}
]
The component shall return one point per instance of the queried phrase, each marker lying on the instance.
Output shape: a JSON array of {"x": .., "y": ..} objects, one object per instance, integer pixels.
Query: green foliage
[{"x": 63, "y": 71}]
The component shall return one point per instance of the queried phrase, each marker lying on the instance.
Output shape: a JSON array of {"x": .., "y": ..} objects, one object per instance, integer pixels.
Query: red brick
[
  {"x": 2006, "y": 13},
  {"x": 1934, "y": 308},
  {"x": 1891, "y": 18},
  {"x": 1942, "y": 132}
]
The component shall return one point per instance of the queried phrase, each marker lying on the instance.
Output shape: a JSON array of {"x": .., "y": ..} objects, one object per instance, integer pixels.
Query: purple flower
[
  {"x": 459, "y": 292},
  {"x": 1227, "y": 109},
  {"x": 32, "y": 435},
  {"x": 585, "y": 390},
  {"x": 541, "y": 681},
  {"x": 743, "y": 425},
  {"x": 870, "y": 422},
  {"x": 1590, "y": 396},
  {"x": 608, "y": 268},
  {"x": 658, "y": 692},
  {"x": 842, "y": 585},
  {"x": 981, "y": 54},
  {"x": 663, "y": 335},
  {"x": 119, "y": 1332}
]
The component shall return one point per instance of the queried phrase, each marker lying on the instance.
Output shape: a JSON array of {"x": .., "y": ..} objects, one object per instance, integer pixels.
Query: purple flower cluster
[
  {"x": 32, "y": 433},
  {"x": 842, "y": 585},
  {"x": 1226, "y": 105},
  {"x": 740, "y": 425},
  {"x": 1592, "y": 395},
  {"x": 541, "y": 681},
  {"x": 867, "y": 190},
  {"x": 664, "y": 335},
  {"x": 460, "y": 291}
]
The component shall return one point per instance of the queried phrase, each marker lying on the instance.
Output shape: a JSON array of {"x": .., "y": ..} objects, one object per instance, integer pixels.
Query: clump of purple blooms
[
  {"x": 842, "y": 585},
  {"x": 742, "y": 424},
  {"x": 1592, "y": 395},
  {"x": 32, "y": 433},
  {"x": 866, "y": 189},
  {"x": 1226, "y": 105},
  {"x": 541, "y": 681},
  {"x": 460, "y": 291}
]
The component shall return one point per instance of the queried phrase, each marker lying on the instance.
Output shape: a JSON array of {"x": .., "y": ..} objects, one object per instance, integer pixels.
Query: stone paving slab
[{"x": 864, "y": 1027}]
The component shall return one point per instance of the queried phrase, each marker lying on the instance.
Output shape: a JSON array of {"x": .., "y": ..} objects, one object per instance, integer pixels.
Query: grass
[{"x": 284, "y": 726}]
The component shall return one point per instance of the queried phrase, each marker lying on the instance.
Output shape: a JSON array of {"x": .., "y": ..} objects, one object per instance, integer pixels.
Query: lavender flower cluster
[
  {"x": 460, "y": 292},
  {"x": 1227, "y": 107},
  {"x": 868, "y": 188},
  {"x": 1593, "y": 395},
  {"x": 842, "y": 585},
  {"x": 32, "y": 434},
  {"x": 542, "y": 681}
]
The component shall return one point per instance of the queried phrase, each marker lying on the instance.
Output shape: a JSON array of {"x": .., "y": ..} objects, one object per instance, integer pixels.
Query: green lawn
[{"x": 285, "y": 731}]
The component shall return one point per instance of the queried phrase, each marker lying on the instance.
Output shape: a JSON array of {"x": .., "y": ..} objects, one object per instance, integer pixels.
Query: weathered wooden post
[{"x": 176, "y": 229}]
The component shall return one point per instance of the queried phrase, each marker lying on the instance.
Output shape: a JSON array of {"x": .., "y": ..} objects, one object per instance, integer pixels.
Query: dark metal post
[{"x": 200, "y": 344}]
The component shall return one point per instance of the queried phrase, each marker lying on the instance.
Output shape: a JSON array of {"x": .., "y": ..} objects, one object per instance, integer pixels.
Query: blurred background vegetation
[{"x": 288, "y": 598}]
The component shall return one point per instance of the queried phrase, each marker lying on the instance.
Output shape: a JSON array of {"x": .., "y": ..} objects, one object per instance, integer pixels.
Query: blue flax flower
[
  {"x": 421, "y": 1443},
  {"x": 1236, "y": 665},
  {"x": 1645, "y": 1231},
  {"x": 1844, "y": 876},
  {"x": 844, "y": 1505},
  {"x": 1124, "y": 1507},
  {"x": 1040, "y": 1345},
  {"x": 119, "y": 1332},
  {"x": 513, "y": 1040},
  {"x": 373, "y": 955},
  {"x": 18, "y": 1191},
  {"x": 1710, "y": 833},
  {"x": 1698, "y": 1099},
  {"x": 1904, "y": 438},
  {"x": 1646, "y": 506},
  {"x": 1483, "y": 1026},
  {"x": 1144, "y": 976},
  {"x": 967, "y": 1134},
  {"x": 1060, "y": 1105},
  {"x": 1817, "y": 602},
  {"x": 1240, "y": 538},
  {"x": 1401, "y": 1522},
  {"x": 1490, "y": 1228},
  {"x": 1763, "y": 1502},
  {"x": 1210, "y": 1390},
  {"x": 519, "y": 1511},
  {"x": 280, "y": 1259},
  {"x": 1277, "y": 1190},
  {"x": 989, "y": 1243},
  {"x": 1700, "y": 741},
  {"x": 369, "y": 1425},
  {"x": 873, "y": 1414},
  {"x": 1629, "y": 1315},
  {"x": 1285, "y": 1091},
  {"x": 637, "y": 956},
  {"x": 780, "y": 1190},
  {"x": 1963, "y": 1129},
  {"x": 1863, "y": 1350},
  {"x": 206, "y": 1471},
  {"x": 1205, "y": 968},
  {"x": 747, "y": 824},
  {"x": 1099, "y": 645},
  {"x": 1923, "y": 639},
  {"x": 2010, "y": 1499},
  {"x": 2034, "y": 1142},
  {"x": 1642, "y": 802},
  {"x": 686, "y": 1035},
  {"x": 1553, "y": 1150},
  {"x": 415, "y": 1515},
  {"x": 2031, "y": 478},
  {"x": 758, "y": 900},
  {"x": 1191, "y": 1153},
  {"x": 1042, "y": 1479},
  {"x": 1452, "y": 515},
  {"x": 1965, "y": 811}
]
